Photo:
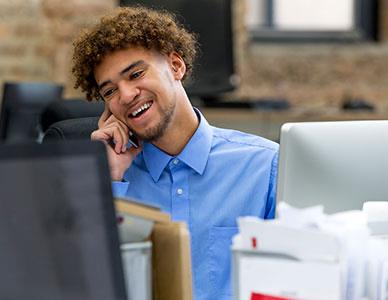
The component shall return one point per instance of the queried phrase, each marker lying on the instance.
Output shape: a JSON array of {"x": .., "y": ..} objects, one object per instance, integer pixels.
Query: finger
[
  {"x": 119, "y": 133},
  {"x": 120, "y": 137},
  {"x": 109, "y": 133},
  {"x": 101, "y": 135},
  {"x": 124, "y": 138},
  {"x": 104, "y": 116},
  {"x": 111, "y": 137},
  {"x": 124, "y": 131},
  {"x": 113, "y": 120}
]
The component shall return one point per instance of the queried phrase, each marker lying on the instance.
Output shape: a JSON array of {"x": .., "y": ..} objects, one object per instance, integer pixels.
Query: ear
[{"x": 178, "y": 66}]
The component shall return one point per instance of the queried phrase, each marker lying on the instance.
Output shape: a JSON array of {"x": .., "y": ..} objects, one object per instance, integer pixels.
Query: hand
[{"x": 114, "y": 134}]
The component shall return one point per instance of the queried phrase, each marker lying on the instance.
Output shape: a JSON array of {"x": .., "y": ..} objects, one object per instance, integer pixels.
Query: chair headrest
[
  {"x": 71, "y": 129},
  {"x": 70, "y": 109}
]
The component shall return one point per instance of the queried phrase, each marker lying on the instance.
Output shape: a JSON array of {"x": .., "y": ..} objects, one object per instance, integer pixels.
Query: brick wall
[
  {"x": 314, "y": 76},
  {"x": 318, "y": 77},
  {"x": 36, "y": 35}
]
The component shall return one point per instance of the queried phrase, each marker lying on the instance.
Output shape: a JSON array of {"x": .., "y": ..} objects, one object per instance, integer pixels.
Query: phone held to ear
[{"x": 132, "y": 139}]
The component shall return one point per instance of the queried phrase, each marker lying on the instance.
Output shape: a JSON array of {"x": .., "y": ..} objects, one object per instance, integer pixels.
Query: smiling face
[{"x": 141, "y": 88}]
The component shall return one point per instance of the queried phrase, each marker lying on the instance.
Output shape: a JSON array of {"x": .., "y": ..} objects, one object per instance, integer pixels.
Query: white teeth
[{"x": 141, "y": 108}]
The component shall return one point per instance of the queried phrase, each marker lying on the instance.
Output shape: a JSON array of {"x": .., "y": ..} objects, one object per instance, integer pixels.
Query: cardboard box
[{"x": 171, "y": 258}]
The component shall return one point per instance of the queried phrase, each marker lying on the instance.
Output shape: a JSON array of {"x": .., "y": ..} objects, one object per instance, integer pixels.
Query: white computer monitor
[{"x": 338, "y": 164}]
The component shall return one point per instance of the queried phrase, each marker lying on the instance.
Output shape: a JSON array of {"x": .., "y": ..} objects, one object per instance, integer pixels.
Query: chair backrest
[
  {"x": 71, "y": 129},
  {"x": 69, "y": 109},
  {"x": 23, "y": 103}
]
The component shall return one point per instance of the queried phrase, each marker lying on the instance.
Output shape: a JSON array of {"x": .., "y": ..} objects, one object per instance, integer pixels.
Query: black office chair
[
  {"x": 70, "y": 109},
  {"x": 21, "y": 109},
  {"x": 71, "y": 129}
]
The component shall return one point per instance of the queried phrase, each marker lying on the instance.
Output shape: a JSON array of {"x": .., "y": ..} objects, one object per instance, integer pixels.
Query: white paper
[
  {"x": 336, "y": 245},
  {"x": 294, "y": 279}
]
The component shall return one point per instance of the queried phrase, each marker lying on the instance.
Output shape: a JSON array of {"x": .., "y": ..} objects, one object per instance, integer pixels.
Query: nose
[{"x": 127, "y": 92}]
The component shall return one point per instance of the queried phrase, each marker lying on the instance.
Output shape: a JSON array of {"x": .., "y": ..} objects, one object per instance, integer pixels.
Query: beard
[{"x": 154, "y": 133}]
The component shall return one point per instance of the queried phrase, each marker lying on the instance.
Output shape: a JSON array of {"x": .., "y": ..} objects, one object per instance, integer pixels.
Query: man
[{"x": 136, "y": 60}]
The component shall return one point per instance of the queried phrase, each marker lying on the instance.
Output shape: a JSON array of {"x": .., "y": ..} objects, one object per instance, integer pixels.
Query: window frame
[{"x": 365, "y": 28}]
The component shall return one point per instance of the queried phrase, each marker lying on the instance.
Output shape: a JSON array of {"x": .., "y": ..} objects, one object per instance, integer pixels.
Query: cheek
[
  {"x": 113, "y": 111},
  {"x": 114, "y": 107},
  {"x": 169, "y": 77},
  {"x": 117, "y": 111}
]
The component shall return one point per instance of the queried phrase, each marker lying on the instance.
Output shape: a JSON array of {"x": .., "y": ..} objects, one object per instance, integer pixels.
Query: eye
[
  {"x": 109, "y": 93},
  {"x": 136, "y": 74}
]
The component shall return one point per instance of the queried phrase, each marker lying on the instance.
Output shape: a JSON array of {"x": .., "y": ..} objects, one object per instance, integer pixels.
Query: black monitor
[
  {"x": 58, "y": 233},
  {"x": 211, "y": 19},
  {"x": 21, "y": 109}
]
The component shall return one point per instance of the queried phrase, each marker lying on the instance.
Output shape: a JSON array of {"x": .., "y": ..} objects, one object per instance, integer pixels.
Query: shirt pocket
[{"x": 220, "y": 259}]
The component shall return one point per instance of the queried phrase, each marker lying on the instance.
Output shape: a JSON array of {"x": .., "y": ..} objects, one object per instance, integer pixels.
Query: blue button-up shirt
[{"x": 221, "y": 174}]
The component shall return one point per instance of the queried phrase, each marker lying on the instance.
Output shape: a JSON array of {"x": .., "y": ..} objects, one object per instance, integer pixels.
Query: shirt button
[
  {"x": 175, "y": 161},
  {"x": 179, "y": 191}
]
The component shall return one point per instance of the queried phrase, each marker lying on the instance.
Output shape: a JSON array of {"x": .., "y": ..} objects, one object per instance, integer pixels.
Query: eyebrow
[{"x": 122, "y": 72}]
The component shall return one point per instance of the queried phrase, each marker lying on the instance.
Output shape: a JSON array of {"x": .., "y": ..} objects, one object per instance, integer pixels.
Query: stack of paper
[
  {"x": 304, "y": 254},
  {"x": 377, "y": 266}
]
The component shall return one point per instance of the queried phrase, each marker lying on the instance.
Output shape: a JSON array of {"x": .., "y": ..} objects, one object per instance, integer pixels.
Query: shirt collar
[{"x": 195, "y": 154}]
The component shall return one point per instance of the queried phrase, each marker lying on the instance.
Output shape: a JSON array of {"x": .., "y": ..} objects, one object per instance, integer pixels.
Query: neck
[{"x": 184, "y": 124}]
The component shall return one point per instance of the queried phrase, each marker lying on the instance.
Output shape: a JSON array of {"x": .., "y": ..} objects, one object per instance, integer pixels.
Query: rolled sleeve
[{"x": 120, "y": 188}]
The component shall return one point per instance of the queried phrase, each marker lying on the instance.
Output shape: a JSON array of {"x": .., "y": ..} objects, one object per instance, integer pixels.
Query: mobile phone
[{"x": 133, "y": 139}]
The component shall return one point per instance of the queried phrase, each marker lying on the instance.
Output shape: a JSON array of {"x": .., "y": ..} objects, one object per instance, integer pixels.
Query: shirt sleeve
[
  {"x": 271, "y": 200},
  {"x": 120, "y": 188}
]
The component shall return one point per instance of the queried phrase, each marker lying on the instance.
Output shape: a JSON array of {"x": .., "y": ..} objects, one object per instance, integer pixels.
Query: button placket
[{"x": 179, "y": 192}]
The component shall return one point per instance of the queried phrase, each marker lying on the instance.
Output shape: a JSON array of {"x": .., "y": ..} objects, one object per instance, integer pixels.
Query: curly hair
[{"x": 129, "y": 26}]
